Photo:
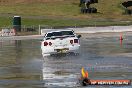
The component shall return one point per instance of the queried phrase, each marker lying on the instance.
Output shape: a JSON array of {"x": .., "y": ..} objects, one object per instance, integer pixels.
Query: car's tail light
[
  {"x": 75, "y": 40},
  {"x": 71, "y": 41},
  {"x": 50, "y": 43},
  {"x": 45, "y": 43}
]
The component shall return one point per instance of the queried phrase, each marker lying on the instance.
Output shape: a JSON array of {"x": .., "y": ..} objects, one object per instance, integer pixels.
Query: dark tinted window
[
  {"x": 67, "y": 33},
  {"x": 49, "y": 35},
  {"x": 60, "y": 33},
  {"x": 57, "y": 34},
  {"x": 54, "y": 34}
]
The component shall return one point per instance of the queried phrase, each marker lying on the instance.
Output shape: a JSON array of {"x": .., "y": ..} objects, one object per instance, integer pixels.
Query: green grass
[
  {"x": 7, "y": 22},
  {"x": 65, "y": 13},
  {"x": 40, "y": 9}
]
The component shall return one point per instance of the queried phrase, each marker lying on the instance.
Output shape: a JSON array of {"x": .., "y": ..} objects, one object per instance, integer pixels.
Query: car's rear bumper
[{"x": 54, "y": 50}]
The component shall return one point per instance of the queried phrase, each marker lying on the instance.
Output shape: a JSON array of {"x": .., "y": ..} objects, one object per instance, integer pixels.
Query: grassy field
[{"x": 63, "y": 13}]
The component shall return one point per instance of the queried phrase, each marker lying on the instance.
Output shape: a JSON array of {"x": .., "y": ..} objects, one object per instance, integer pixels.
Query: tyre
[
  {"x": 129, "y": 12},
  {"x": 85, "y": 10},
  {"x": 89, "y": 10},
  {"x": 82, "y": 10},
  {"x": 93, "y": 10}
]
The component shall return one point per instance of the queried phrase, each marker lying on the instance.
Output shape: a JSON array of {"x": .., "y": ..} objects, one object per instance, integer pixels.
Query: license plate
[{"x": 62, "y": 50}]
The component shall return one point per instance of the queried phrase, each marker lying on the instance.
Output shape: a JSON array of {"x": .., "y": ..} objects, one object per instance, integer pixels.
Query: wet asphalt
[{"x": 103, "y": 55}]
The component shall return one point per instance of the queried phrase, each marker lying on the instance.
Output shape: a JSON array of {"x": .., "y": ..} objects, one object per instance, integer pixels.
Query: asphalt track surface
[{"x": 102, "y": 54}]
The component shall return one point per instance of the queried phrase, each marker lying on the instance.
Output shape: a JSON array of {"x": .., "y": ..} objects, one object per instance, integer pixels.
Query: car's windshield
[{"x": 62, "y": 33}]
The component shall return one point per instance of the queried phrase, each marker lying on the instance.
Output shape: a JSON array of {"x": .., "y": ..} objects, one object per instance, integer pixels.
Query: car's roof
[{"x": 58, "y": 31}]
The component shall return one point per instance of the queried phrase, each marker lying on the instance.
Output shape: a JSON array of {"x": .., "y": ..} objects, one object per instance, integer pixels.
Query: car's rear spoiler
[
  {"x": 44, "y": 31},
  {"x": 61, "y": 37}
]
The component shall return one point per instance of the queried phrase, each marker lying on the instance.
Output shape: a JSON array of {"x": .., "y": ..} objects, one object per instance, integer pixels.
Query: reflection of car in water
[{"x": 61, "y": 41}]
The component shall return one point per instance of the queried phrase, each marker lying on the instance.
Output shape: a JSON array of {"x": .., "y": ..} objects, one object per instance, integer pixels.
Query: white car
[{"x": 62, "y": 41}]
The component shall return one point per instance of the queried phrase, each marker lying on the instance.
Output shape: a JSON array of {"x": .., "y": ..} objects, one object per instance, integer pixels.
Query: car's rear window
[
  {"x": 62, "y": 33},
  {"x": 67, "y": 33},
  {"x": 54, "y": 34}
]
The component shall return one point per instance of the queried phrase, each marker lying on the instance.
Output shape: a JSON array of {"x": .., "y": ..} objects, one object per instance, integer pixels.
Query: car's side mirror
[{"x": 79, "y": 36}]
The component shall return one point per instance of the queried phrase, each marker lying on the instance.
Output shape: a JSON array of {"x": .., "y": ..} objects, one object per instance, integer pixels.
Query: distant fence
[
  {"x": 40, "y": 29},
  {"x": 9, "y": 31}
]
